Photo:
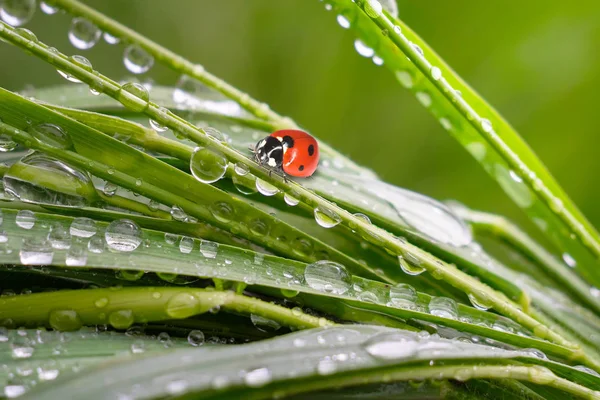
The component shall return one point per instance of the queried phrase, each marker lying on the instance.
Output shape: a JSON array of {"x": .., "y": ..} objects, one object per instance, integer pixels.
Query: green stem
[
  {"x": 380, "y": 237},
  {"x": 525, "y": 164},
  {"x": 501, "y": 228},
  {"x": 121, "y": 307}
]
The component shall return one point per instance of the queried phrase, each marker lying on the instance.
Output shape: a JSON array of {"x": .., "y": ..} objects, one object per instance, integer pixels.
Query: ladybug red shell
[{"x": 292, "y": 151}]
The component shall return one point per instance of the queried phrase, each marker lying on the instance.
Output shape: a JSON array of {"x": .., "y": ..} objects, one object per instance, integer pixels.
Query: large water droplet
[
  {"x": 410, "y": 267},
  {"x": 123, "y": 235},
  {"x": 96, "y": 244},
  {"x": 196, "y": 338},
  {"x": 265, "y": 188},
  {"x": 343, "y": 21},
  {"x": 222, "y": 211},
  {"x": 326, "y": 218},
  {"x": 76, "y": 256},
  {"x": 83, "y": 34},
  {"x": 373, "y": 8},
  {"x": 481, "y": 301},
  {"x": 25, "y": 219},
  {"x": 443, "y": 307},
  {"x": 290, "y": 200},
  {"x": 208, "y": 165},
  {"x": 34, "y": 179},
  {"x": 403, "y": 296},
  {"x": 486, "y": 125},
  {"x": 209, "y": 249},
  {"x": 258, "y": 377},
  {"x": 52, "y": 135},
  {"x": 156, "y": 125},
  {"x": 186, "y": 245},
  {"x": 59, "y": 237},
  {"x": 363, "y": 49},
  {"x": 137, "y": 60},
  {"x": 110, "y": 39},
  {"x": 264, "y": 324},
  {"x": 35, "y": 251},
  {"x": 436, "y": 73},
  {"x": 245, "y": 184},
  {"x": 392, "y": 346},
  {"x": 183, "y": 305},
  {"x": 569, "y": 260},
  {"x": 121, "y": 319},
  {"x": 65, "y": 320},
  {"x": 139, "y": 91},
  {"x": 83, "y": 227},
  {"x": 390, "y": 6},
  {"x": 48, "y": 9},
  {"x": 328, "y": 276},
  {"x": 17, "y": 12}
]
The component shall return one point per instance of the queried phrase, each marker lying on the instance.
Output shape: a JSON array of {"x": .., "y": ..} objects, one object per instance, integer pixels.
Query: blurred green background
[{"x": 536, "y": 62}]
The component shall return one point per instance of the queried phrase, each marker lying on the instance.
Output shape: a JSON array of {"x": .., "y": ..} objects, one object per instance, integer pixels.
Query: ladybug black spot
[
  {"x": 301, "y": 168},
  {"x": 288, "y": 141},
  {"x": 311, "y": 150}
]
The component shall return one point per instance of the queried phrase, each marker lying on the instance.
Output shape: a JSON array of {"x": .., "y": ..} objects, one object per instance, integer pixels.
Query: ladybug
[{"x": 290, "y": 151}]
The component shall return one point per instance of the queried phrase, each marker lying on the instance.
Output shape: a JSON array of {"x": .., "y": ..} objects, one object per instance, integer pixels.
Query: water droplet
[
  {"x": 436, "y": 73},
  {"x": 35, "y": 251},
  {"x": 423, "y": 98},
  {"x": 373, "y": 8},
  {"x": 121, "y": 319},
  {"x": 48, "y": 9},
  {"x": 83, "y": 227},
  {"x": 184, "y": 305},
  {"x": 392, "y": 346},
  {"x": 290, "y": 200},
  {"x": 83, "y": 34},
  {"x": 486, "y": 125},
  {"x": 25, "y": 219},
  {"x": 12, "y": 391},
  {"x": 391, "y": 7},
  {"x": 446, "y": 124},
  {"x": 259, "y": 227},
  {"x": 140, "y": 101},
  {"x": 410, "y": 268},
  {"x": 326, "y": 218},
  {"x": 569, "y": 260},
  {"x": 222, "y": 211},
  {"x": 443, "y": 307},
  {"x": 196, "y": 338},
  {"x": 403, "y": 296},
  {"x": 363, "y": 49},
  {"x": 7, "y": 144},
  {"x": 326, "y": 366},
  {"x": 209, "y": 249},
  {"x": 481, "y": 301},
  {"x": 76, "y": 256},
  {"x": 27, "y": 34},
  {"x": 65, "y": 320},
  {"x": 418, "y": 49},
  {"x": 52, "y": 135},
  {"x": 138, "y": 347},
  {"x": 328, "y": 276},
  {"x": 264, "y": 324},
  {"x": 17, "y": 12},
  {"x": 302, "y": 247},
  {"x": 186, "y": 245},
  {"x": 377, "y": 60},
  {"x": 265, "y": 188},
  {"x": 123, "y": 235},
  {"x": 343, "y": 21},
  {"x": 101, "y": 302},
  {"x": 59, "y": 237},
  {"x": 96, "y": 244},
  {"x": 178, "y": 214},
  {"x": 241, "y": 169},
  {"x": 131, "y": 275},
  {"x": 47, "y": 371},
  {"x": 137, "y": 60},
  {"x": 157, "y": 126},
  {"x": 258, "y": 377},
  {"x": 208, "y": 165},
  {"x": 110, "y": 39}
]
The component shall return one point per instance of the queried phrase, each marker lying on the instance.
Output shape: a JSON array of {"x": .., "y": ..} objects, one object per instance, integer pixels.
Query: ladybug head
[{"x": 269, "y": 151}]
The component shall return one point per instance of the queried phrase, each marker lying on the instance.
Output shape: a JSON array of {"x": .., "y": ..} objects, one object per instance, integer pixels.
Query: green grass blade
[{"x": 480, "y": 129}]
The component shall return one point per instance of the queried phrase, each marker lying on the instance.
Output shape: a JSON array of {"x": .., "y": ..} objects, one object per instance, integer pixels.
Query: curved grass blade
[
  {"x": 480, "y": 129},
  {"x": 350, "y": 298},
  {"x": 316, "y": 359}
]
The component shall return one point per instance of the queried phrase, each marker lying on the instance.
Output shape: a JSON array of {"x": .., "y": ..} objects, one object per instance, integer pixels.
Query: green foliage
[{"x": 173, "y": 231}]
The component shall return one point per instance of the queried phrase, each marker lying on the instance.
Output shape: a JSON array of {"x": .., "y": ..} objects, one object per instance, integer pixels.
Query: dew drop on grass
[
  {"x": 391, "y": 7},
  {"x": 11, "y": 390},
  {"x": 209, "y": 249},
  {"x": 208, "y": 165},
  {"x": 121, "y": 319},
  {"x": 245, "y": 185},
  {"x": 302, "y": 247},
  {"x": 64, "y": 320},
  {"x": 52, "y": 135},
  {"x": 186, "y": 245},
  {"x": 196, "y": 338},
  {"x": 258, "y": 377},
  {"x": 326, "y": 218},
  {"x": 183, "y": 305},
  {"x": 101, "y": 302},
  {"x": 403, "y": 296},
  {"x": 405, "y": 79},
  {"x": 139, "y": 102},
  {"x": 131, "y": 275},
  {"x": 110, "y": 189},
  {"x": 343, "y": 21},
  {"x": 7, "y": 144},
  {"x": 363, "y": 49},
  {"x": 25, "y": 219},
  {"x": 409, "y": 267},
  {"x": 390, "y": 346},
  {"x": 137, "y": 60},
  {"x": 110, "y": 39},
  {"x": 17, "y": 12},
  {"x": 96, "y": 244},
  {"x": 436, "y": 73},
  {"x": 569, "y": 260},
  {"x": 480, "y": 301},
  {"x": 222, "y": 211},
  {"x": 373, "y": 8},
  {"x": 35, "y": 251},
  {"x": 156, "y": 125},
  {"x": 83, "y": 34},
  {"x": 418, "y": 49},
  {"x": 47, "y": 8},
  {"x": 328, "y": 276},
  {"x": 446, "y": 124},
  {"x": 259, "y": 227},
  {"x": 264, "y": 324},
  {"x": 178, "y": 214},
  {"x": 486, "y": 125},
  {"x": 83, "y": 227},
  {"x": 377, "y": 60},
  {"x": 424, "y": 98},
  {"x": 123, "y": 235},
  {"x": 265, "y": 188},
  {"x": 59, "y": 237},
  {"x": 241, "y": 169},
  {"x": 290, "y": 200},
  {"x": 443, "y": 307},
  {"x": 171, "y": 238}
]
